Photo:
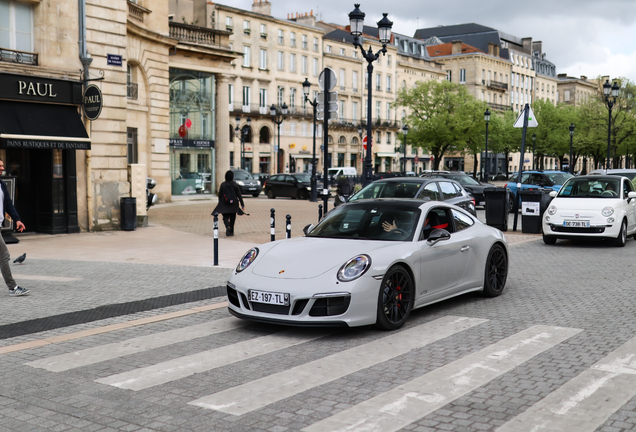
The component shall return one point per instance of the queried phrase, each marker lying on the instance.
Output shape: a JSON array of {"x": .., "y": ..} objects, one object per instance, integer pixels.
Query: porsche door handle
[{"x": 464, "y": 248}]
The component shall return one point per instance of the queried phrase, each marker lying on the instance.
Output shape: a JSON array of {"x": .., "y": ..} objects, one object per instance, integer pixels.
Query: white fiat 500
[{"x": 592, "y": 206}]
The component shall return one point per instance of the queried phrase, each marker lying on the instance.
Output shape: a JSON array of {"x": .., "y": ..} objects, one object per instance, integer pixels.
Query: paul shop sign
[
  {"x": 92, "y": 102},
  {"x": 36, "y": 89}
]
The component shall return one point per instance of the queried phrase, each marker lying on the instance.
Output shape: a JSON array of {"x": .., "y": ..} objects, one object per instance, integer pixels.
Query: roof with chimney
[{"x": 446, "y": 49}]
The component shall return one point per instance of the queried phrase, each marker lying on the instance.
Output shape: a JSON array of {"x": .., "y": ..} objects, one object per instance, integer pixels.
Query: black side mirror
[
  {"x": 437, "y": 235},
  {"x": 308, "y": 228}
]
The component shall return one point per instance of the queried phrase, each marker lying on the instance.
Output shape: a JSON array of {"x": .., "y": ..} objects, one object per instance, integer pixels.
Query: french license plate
[
  {"x": 576, "y": 224},
  {"x": 482, "y": 203},
  {"x": 274, "y": 298},
  {"x": 253, "y": 188}
]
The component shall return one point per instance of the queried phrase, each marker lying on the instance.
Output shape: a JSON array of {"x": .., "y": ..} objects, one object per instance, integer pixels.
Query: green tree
[
  {"x": 443, "y": 118},
  {"x": 503, "y": 136}
]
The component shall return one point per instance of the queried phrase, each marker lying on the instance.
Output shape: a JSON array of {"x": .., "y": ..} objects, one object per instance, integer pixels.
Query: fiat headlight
[
  {"x": 607, "y": 211},
  {"x": 354, "y": 268},
  {"x": 552, "y": 210},
  {"x": 247, "y": 259},
  {"x": 240, "y": 183}
]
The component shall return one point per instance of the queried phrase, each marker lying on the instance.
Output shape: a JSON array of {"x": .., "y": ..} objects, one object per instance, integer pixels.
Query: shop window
[
  {"x": 59, "y": 201},
  {"x": 132, "y": 145},
  {"x": 264, "y": 135},
  {"x": 247, "y": 134}
]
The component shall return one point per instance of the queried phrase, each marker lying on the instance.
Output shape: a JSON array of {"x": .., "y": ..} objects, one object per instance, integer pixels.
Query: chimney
[
  {"x": 527, "y": 44},
  {"x": 562, "y": 76},
  {"x": 306, "y": 18},
  {"x": 262, "y": 7},
  {"x": 537, "y": 47},
  {"x": 583, "y": 77},
  {"x": 457, "y": 47},
  {"x": 496, "y": 50}
]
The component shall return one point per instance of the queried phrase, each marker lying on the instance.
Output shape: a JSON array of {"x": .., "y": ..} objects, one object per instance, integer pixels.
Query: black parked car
[
  {"x": 247, "y": 183},
  {"x": 472, "y": 186},
  {"x": 433, "y": 189},
  {"x": 296, "y": 185}
]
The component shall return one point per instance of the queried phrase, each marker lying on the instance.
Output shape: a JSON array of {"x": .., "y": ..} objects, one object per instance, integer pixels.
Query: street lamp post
[
  {"x": 242, "y": 132},
  {"x": 314, "y": 105},
  {"x": 534, "y": 142},
  {"x": 277, "y": 118},
  {"x": 607, "y": 89},
  {"x": 487, "y": 119},
  {"x": 571, "y": 136},
  {"x": 356, "y": 21},
  {"x": 405, "y": 130}
]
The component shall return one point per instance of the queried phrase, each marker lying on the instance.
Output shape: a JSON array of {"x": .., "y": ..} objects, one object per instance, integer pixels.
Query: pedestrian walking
[
  {"x": 229, "y": 199},
  {"x": 5, "y": 268}
]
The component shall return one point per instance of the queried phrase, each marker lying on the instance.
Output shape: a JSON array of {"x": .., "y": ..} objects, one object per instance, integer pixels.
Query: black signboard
[
  {"x": 113, "y": 60},
  {"x": 202, "y": 144},
  {"x": 92, "y": 102},
  {"x": 45, "y": 144},
  {"x": 36, "y": 89}
]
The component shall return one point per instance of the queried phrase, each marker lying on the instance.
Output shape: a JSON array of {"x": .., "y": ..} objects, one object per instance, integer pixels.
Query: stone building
[
  {"x": 545, "y": 85},
  {"x": 575, "y": 91}
]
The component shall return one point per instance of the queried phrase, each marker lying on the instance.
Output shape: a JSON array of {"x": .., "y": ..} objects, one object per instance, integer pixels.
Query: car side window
[
  {"x": 458, "y": 188},
  {"x": 525, "y": 179},
  {"x": 626, "y": 188},
  {"x": 448, "y": 189},
  {"x": 429, "y": 191},
  {"x": 436, "y": 218},
  {"x": 275, "y": 178},
  {"x": 289, "y": 179},
  {"x": 462, "y": 220}
]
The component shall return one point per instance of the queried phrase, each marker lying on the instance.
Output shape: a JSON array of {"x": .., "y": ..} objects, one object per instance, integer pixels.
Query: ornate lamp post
[
  {"x": 356, "y": 21},
  {"x": 242, "y": 132},
  {"x": 571, "y": 136},
  {"x": 314, "y": 104},
  {"x": 534, "y": 142},
  {"x": 607, "y": 89},
  {"x": 405, "y": 130},
  {"x": 487, "y": 119},
  {"x": 277, "y": 118}
]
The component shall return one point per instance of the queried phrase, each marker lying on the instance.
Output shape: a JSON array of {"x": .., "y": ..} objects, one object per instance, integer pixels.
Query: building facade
[{"x": 575, "y": 91}]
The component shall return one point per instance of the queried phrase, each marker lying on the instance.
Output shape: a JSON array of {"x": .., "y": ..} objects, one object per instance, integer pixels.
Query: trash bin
[
  {"x": 497, "y": 207},
  {"x": 531, "y": 211},
  {"x": 128, "y": 213}
]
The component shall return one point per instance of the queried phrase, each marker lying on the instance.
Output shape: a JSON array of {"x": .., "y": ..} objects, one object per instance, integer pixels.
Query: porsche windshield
[
  {"x": 590, "y": 188},
  {"x": 369, "y": 221},
  {"x": 388, "y": 189}
]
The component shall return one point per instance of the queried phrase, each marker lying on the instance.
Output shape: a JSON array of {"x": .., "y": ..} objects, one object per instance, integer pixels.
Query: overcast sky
[{"x": 581, "y": 37}]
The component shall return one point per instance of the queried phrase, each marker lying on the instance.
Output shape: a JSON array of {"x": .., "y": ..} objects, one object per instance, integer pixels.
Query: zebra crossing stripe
[
  {"x": 585, "y": 402},
  {"x": 161, "y": 373},
  {"x": 64, "y": 362},
  {"x": 409, "y": 402},
  {"x": 259, "y": 393}
]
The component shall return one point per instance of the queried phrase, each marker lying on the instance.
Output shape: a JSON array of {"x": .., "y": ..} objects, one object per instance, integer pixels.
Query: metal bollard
[
  {"x": 319, "y": 212},
  {"x": 288, "y": 226},
  {"x": 272, "y": 224},
  {"x": 216, "y": 238}
]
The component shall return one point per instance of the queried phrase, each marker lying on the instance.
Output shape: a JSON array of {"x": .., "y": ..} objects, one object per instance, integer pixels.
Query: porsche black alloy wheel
[
  {"x": 395, "y": 299},
  {"x": 270, "y": 194},
  {"x": 496, "y": 271}
]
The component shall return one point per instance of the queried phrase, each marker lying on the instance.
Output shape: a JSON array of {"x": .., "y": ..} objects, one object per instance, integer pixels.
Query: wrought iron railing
[
  {"x": 295, "y": 110},
  {"x": 22, "y": 57},
  {"x": 498, "y": 85},
  {"x": 500, "y": 107},
  {"x": 194, "y": 34},
  {"x": 132, "y": 91}
]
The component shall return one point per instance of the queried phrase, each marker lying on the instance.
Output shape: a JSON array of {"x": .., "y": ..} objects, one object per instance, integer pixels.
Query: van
[{"x": 334, "y": 173}]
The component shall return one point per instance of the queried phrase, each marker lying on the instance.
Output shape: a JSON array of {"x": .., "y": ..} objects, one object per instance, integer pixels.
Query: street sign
[
  {"x": 417, "y": 159},
  {"x": 320, "y": 115},
  {"x": 364, "y": 142},
  {"x": 532, "y": 121},
  {"x": 333, "y": 96},
  {"x": 333, "y": 107},
  {"x": 333, "y": 80}
]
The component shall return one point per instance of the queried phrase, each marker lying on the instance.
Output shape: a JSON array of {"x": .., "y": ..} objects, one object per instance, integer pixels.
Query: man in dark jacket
[
  {"x": 229, "y": 198},
  {"x": 5, "y": 268}
]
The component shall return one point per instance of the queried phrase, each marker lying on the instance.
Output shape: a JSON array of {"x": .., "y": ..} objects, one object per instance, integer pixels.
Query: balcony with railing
[
  {"x": 497, "y": 85},
  {"x": 199, "y": 35},
  {"x": 257, "y": 109},
  {"x": 132, "y": 91},
  {"x": 136, "y": 12},
  {"x": 500, "y": 107},
  {"x": 22, "y": 57}
]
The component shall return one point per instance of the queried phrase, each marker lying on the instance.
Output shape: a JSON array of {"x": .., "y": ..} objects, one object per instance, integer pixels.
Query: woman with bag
[{"x": 229, "y": 198}]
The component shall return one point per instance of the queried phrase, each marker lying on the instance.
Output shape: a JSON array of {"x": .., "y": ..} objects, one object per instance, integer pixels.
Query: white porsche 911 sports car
[{"x": 370, "y": 262}]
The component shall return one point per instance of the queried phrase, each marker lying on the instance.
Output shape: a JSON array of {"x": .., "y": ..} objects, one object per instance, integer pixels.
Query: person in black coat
[{"x": 229, "y": 198}]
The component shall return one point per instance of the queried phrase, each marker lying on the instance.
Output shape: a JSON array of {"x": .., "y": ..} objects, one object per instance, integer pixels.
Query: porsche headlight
[
  {"x": 607, "y": 211},
  {"x": 552, "y": 210},
  {"x": 247, "y": 259},
  {"x": 354, "y": 268},
  {"x": 240, "y": 183}
]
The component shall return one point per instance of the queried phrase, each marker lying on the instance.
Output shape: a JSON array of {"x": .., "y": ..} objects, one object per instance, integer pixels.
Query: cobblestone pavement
[{"x": 554, "y": 351}]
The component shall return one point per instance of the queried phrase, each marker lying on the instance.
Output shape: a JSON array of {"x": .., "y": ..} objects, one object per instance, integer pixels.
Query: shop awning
[
  {"x": 301, "y": 156},
  {"x": 42, "y": 126}
]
